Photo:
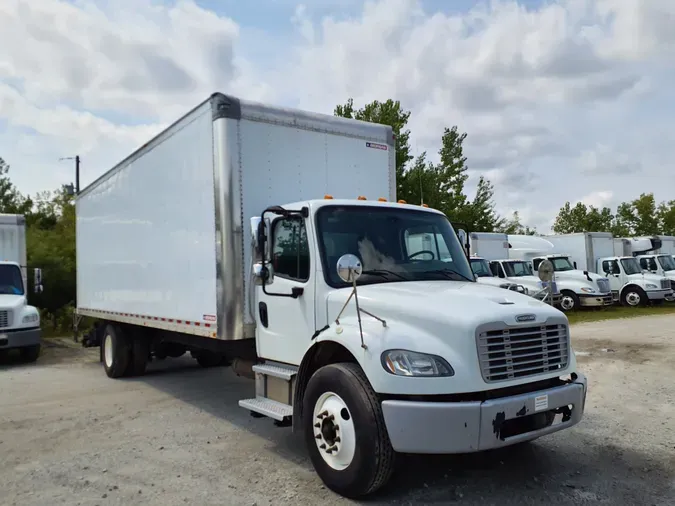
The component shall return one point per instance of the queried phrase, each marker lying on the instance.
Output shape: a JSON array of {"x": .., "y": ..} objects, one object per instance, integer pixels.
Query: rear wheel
[
  {"x": 116, "y": 352},
  {"x": 140, "y": 354},
  {"x": 345, "y": 432}
]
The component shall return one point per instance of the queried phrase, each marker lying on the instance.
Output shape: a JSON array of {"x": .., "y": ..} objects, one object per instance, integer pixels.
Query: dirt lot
[{"x": 69, "y": 435}]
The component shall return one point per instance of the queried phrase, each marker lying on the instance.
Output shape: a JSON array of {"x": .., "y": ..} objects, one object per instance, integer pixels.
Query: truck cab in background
[
  {"x": 579, "y": 288},
  {"x": 654, "y": 254},
  {"x": 484, "y": 275},
  {"x": 595, "y": 253},
  {"x": 19, "y": 322},
  {"x": 494, "y": 248}
]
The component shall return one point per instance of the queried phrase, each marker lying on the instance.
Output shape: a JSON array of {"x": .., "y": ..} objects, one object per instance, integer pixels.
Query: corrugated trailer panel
[
  {"x": 146, "y": 233},
  {"x": 290, "y": 156},
  {"x": 13, "y": 242}
]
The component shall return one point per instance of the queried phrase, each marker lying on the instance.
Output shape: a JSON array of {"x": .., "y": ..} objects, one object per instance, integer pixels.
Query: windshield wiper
[
  {"x": 450, "y": 274},
  {"x": 384, "y": 273}
]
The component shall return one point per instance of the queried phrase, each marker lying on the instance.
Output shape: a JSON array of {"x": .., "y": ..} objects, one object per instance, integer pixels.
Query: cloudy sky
[{"x": 562, "y": 100}]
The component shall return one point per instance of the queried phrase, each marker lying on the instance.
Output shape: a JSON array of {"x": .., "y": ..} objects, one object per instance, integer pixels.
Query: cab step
[
  {"x": 274, "y": 391},
  {"x": 267, "y": 407}
]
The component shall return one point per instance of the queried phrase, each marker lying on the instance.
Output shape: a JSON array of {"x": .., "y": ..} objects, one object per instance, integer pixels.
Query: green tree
[
  {"x": 666, "y": 217},
  {"x": 389, "y": 113},
  {"x": 11, "y": 200},
  {"x": 583, "y": 218},
  {"x": 515, "y": 227},
  {"x": 479, "y": 214},
  {"x": 638, "y": 217}
]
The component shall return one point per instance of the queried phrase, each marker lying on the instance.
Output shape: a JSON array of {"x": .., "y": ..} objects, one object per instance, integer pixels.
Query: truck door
[
  {"x": 613, "y": 272},
  {"x": 285, "y": 324}
]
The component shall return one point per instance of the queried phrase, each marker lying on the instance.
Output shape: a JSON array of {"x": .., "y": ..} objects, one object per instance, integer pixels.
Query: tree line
[{"x": 50, "y": 216}]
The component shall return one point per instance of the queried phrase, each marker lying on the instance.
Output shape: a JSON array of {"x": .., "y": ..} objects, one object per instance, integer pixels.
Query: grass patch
[{"x": 610, "y": 313}]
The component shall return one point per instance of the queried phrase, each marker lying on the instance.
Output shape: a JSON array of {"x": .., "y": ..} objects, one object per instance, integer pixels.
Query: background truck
[
  {"x": 594, "y": 251},
  {"x": 494, "y": 247},
  {"x": 579, "y": 288},
  {"x": 19, "y": 322},
  {"x": 213, "y": 238},
  {"x": 654, "y": 255}
]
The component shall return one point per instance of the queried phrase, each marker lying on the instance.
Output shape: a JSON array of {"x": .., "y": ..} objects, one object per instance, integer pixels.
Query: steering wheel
[{"x": 428, "y": 252}]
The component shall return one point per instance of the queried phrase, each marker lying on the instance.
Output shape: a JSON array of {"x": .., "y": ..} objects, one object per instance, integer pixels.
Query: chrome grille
[
  {"x": 665, "y": 284},
  {"x": 5, "y": 319},
  {"x": 519, "y": 352},
  {"x": 603, "y": 285}
]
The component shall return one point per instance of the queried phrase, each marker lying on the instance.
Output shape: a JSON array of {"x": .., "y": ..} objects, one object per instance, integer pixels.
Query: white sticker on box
[{"x": 541, "y": 402}]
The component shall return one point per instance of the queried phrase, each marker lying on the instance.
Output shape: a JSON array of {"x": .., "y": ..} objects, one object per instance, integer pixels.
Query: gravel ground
[{"x": 69, "y": 435}]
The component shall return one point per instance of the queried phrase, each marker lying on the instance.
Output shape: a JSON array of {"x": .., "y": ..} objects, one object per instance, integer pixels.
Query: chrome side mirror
[
  {"x": 260, "y": 237},
  {"x": 261, "y": 273},
  {"x": 349, "y": 268},
  {"x": 37, "y": 280}
]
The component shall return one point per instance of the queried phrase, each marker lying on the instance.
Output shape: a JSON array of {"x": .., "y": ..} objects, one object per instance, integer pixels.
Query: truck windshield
[
  {"x": 667, "y": 262},
  {"x": 631, "y": 266},
  {"x": 11, "y": 281},
  {"x": 480, "y": 268},
  {"x": 561, "y": 264},
  {"x": 517, "y": 269},
  {"x": 393, "y": 244}
]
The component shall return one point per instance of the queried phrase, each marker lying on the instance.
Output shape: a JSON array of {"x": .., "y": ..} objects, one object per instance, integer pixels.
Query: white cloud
[
  {"x": 598, "y": 199},
  {"x": 557, "y": 100}
]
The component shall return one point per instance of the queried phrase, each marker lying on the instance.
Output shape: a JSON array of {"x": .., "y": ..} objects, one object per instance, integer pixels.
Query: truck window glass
[
  {"x": 11, "y": 282},
  {"x": 630, "y": 266},
  {"x": 667, "y": 262},
  {"x": 517, "y": 269},
  {"x": 290, "y": 251},
  {"x": 562, "y": 264},
  {"x": 386, "y": 239},
  {"x": 480, "y": 268}
]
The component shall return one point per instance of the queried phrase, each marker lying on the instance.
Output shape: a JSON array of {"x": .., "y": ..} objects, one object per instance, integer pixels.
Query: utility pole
[{"x": 77, "y": 171}]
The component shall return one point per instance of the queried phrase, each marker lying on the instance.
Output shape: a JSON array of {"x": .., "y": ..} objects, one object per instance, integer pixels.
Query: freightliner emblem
[{"x": 525, "y": 318}]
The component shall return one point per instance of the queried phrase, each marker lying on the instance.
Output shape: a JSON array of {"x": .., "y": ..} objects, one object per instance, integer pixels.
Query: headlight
[
  {"x": 587, "y": 290},
  {"x": 411, "y": 363},
  {"x": 30, "y": 318},
  {"x": 651, "y": 287}
]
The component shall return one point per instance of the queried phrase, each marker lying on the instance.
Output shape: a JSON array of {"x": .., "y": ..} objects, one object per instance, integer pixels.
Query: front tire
[
  {"x": 569, "y": 301},
  {"x": 116, "y": 352},
  {"x": 344, "y": 431},
  {"x": 634, "y": 296},
  {"x": 30, "y": 354}
]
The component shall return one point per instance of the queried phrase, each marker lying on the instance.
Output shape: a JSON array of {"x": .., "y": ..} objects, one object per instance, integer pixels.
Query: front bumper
[
  {"x": 466, "y": 427},
  {"x": 659, "y": 294},
  {"x": 20, "y": 338},
  {"x": 596, "y": 300}
]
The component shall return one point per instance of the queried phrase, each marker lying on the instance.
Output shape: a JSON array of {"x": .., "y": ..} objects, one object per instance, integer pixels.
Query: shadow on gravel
[{"x": 573, "y": 467}]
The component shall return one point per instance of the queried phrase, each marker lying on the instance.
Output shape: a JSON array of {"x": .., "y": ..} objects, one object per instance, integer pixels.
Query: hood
[
  {"x": 11, "y": 302},
  {"x": 449, "y": 302}
]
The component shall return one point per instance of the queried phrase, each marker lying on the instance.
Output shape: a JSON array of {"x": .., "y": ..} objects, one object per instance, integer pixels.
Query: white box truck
[
  {"x": 579, "y": 288},
  {"x": 491, "y": 265},
  {"x": 19, "y": 322},
  {"x": 654, "y": 254},
  {"x": 594, "y": 252},
  {"x": 243, "y": 230}
]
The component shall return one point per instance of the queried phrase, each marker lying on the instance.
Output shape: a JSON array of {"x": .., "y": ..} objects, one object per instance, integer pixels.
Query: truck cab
[
  {"x": 579, "y": 286},
  {"x": 631, "y": 284},
  {"x": 397, "y": 321},
  {"x": 19, "y": 322},
  {"x": 484, "y": 275},
  {"x": 520, "y": 271},
  {"x": 653, "y": 255}
]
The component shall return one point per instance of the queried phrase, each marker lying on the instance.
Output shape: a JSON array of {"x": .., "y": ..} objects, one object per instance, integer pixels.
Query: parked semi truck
[
  {"x": 19, "y": 322},
  {"x": 578, "y": 287},
  {"x": 653, "y": 253},
  {"x": 594, "y": 252},
  {"x": 491, "y": 249},
  {"x": 272, "y": 237}
]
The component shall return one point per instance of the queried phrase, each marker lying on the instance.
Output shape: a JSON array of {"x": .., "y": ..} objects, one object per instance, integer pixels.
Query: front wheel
[
  {"x": 30, "y": 353},
  {"x": 634, "y": 296},
  {"x": 345, "y": 432},
  {"x": 569, "y": 300}
]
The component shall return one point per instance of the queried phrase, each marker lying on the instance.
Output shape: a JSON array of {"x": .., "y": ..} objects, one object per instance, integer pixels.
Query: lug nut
[
  {"x": 318, "y": 436},
  {"x": 317, "y": 425},
  {"x": 331, "y": 449},
  {"x": 337, "y": 439},
  {"x": 321, "y": 415},
  {"x": 322, "y": 446}
]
